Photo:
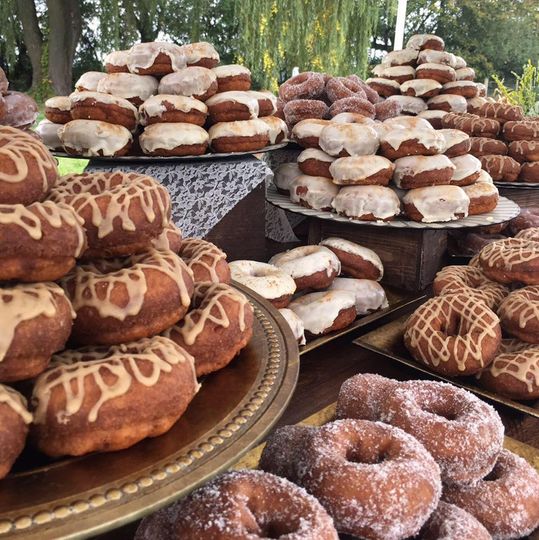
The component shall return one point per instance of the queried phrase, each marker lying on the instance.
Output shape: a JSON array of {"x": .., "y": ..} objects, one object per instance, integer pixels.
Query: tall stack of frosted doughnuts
[{"x": 162, "y": 99}]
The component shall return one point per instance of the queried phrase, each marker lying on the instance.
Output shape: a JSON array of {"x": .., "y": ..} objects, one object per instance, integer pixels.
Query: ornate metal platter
[{"x": 235, "y": 408}]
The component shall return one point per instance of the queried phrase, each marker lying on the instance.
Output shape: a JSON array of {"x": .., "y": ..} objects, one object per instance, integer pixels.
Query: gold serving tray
[
  {"x": 387, "y": 341},
  {"x": 235, "y": 408}
]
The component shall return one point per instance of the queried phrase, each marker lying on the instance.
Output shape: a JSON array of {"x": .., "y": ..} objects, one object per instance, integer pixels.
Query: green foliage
[{"x": 526, "y": 91}]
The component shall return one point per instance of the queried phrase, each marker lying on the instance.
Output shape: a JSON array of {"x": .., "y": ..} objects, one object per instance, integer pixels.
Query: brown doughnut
[
  {"x": 116, "y": 62},
  {"x": 242, "y": 136},
  {"x": 438, "y": 72},
  {"x": 307, "y": 132},
  {"x": 528, "y": 217},
  {"x": 21, "y": 110},
  {"x": 103, "y": 107},
  {"x": 232, "y": 77},
  {"x": 457, "y": 143},
  {"x": 519, "y": 314},
  {"x": 502, "y": 112},
  {"x": 474, "y": 104},
  {"x": 483, "y": 196},
  {"x": 353, "y": 105},
  {"x": 4, "y": 83},
  {"x": 58, "y": 109},
  {"x": 170, "y": 239},
  {"x": 302, "y": 109},
  {"x": 524, "y": 151},
  {"x": 205, "y": 260},
  {"x": 422, "y": 171},
  {"x": 529, "y": 172},
  {"x": 314, "y": 162},
  {"x": 341, "y": 87},
  {"x": 521, "y": 131},
  {"x": 399, "y": 143},
  {"x": 170, "y": 108},
  {"x": 467, "y": 89},
  {"x": 201, "y": 54},
  {"x": 384, "y": 87},
  {"x": 370, "y": 93},
  {"x": 473, "y": 125},
  {"x": 387, "y": 109},
  {"x": 155, "y": 58},
  {"x": 482, "y": 146},
  {"x": 361, "y": 170},
  {"x": 501, "y": 168},
  {"x": 308, "y": 85},
  {"x": 424, "y": 88},
  {"x": 420, "y": 42}
]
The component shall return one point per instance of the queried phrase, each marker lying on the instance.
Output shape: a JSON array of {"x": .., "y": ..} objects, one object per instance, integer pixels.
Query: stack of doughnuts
[
  {"x": 17, "y": 110},
  {"x": 303, "y": 284}
]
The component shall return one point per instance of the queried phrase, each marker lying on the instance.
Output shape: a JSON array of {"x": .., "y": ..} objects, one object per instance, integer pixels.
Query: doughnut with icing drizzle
[{"x": 205, "y": 260}]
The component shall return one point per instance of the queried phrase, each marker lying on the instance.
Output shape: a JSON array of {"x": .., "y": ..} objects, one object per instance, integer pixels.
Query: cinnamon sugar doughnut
[
  {"x": 316, "y": 192},
  {"x": 300, "y": 109},
  {"x": 519, "y": 314},
  {"x": 354, "y": 105},
  {"x": 170, "y": 108},
  {"x": 196, "y": 82},
  {"x": 201, "y": 53},
  {"x": 506, "y": 501},
  {"x": 421, "y": 171},
  {"x": 361, "y": 170},
  {"x": 369, "y": 294},
  {"x": 4, "y": 83},
  {"x": 453, "y": 335},
  {"x": 521, "y": 131},
  {"x": 420, "y": 42},
  {"x": 424, "y": 88},
  {"x": 242, "y": 136},
  {"x": 483, "y": 196},
  {"x": 388, "y": 109},
  {"x": 370, "y": 94},
  {"x": 384, "y": 87},
  {"x": 87, "y": 82},
  {"x": 482, "y": 146},
  {"x": 308, "y": 85},
  {"x": 501, "y": 168},
  {"x": 367, "y": 203},
  {"x": 314, "y": 162},
  {"x": 116, "y": 62},
  {"x": 348, "y": 140},
  {"x": 205, "y": 260},
  {"x": 524, "y": 150},
  {"x": 399, "y": 143},
  {"x": 338, "y": 88},
  {"x": 135, "y": 88},
  {"x": 174, "y": 139},
  {"x": 436, "y": 204},
  {"x": 58, "y": 109},
  {"x": 217, "y": 327},
  {"x": 232, "y": 77},
  {"x": 155, "y": 58}
]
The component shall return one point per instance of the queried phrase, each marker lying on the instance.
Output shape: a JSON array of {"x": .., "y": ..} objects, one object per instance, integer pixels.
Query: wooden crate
[
  {"x": 411, "y": 257},
  {"x": 522, "y": 196}
]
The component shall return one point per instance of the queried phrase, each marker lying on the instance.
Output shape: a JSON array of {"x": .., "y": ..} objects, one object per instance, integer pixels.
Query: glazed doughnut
[
  {"x": 438, "y": 72},
  {"x": 270, "y": 282},
  {"x": 521, "y": 131},
  {"x": 470, "y": 281},
  {"x": 348, "y": 140},
  {"x": 243, "y": 136},
  {"x": 311, "y": 267},
  {"x": 463, "y": 434},
  {"x": 155, "y": 58},
  {"x": 170, "y": 108},
  {"x": 122, "y": 212},
  {"x": 448, "y": 103},
  {"x": 20, "y": 110},
  {"x": 356, "y": 261},
  {"x": 457, "y": 142},
  {"x": 307, "y": 132},
  {"x": 36, "y": 323},
  {"x": 284, "y": 175},
  {"x": 465, "y": 74},
  {"x": 205, "y": 260},
  {"x": 506, "y": 501},
  {"x": 353, "y": 118},
  {"x": 420, "y": 42},
  {"x": 404, "y": 57},
  {"x": 354, "y": 105},
  {"x": 421, "y": 171},
  {"x": 114, "y": 385},
  {"x": 367, "y": 203},
  {"x": 87, "y": 82},
  {"x": 467, "y": 170},
  {"x": 95, "y": 138},
  {"x": 232, "y": 77},
  {"x": 302, "y": 109},
  {"x": 27, "y": 169},
  {"x": 308, "y": 85},
  {"x": 217, "y": 327},
  {"x": 375, "y": 480},
  {"x": 436, "y": 204},
  {"x": 529, "y": 172},
  {"x": 196, "y": 82},
  {"x": 48, "y": 133},
  {"x": 170, "y": 239},
  {"x": 314, "y": 162},
  {"x": 519, "y": 314},
  {"x": 399, "y": 143},
  {"x": 297, "y": 327},
  {"x": 453, "y": 335},
  {"x": 387, "y": 109},
  {"x": 369, "y": 294},
  {"x": 433, "y": 56},
  {"x": 502, "y": 111},
  {"x": 267, "y": 102},
  {"x": 398, "y": 74},
  {"x": 239, "y": 505},
  {"x": 407, "y": 104},
  {"x": 135, "y": 88},
  {"x": 466, "y": 89},
  {"x": 201, "y": 53},
  {"x": 483, "y": 196},
  {"x": 528, "y": 217},
  {"x": 232, "y": 106},
  {"x": 423, "y": 88},
  {"x": 434, "y": 117},
  {"x": 529, "y": 234},
  {"x": 384, "y": 87},
  {"x": 338, "y": 88},
  {"x": 482, "y": 146},
  {"x": 58, "y": 109},
  {"x": 174, "y": 139},
  {"x": 316, "y": 192},
  {"x": 524, "y": 150},
  {"x": 474, "y": 104},
  {"x": 473, "y": 125},
  {"x": 116, "y": 62},
  {"x": 14, "y": 422},
  {"x": 407, "y": 122},
  {"x": 278, "y": 130},
  {"x": 361, "y": 170},
  {"x": 501, "y": 168}
]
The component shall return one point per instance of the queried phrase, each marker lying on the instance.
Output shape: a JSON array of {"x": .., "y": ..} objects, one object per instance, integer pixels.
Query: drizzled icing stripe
[
  {"x": 16, "y": 402},
  {"x": 200, "y": 253},
  {"x": 113, "y": 371},
  {"x": 521, "y": 305},
  {"x": 522, "y": 365},
  {"x": 507, "y": 253}
]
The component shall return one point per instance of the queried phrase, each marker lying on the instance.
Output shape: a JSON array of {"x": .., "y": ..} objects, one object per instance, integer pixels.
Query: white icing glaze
[
  {"x": 430, "y": 56},
  {"x": 128, "y": 85},
  {"x": 435, "y": 67},
  {"x": 481, "y": 189},
  {"x": 417, "y": 41},
  {"x": 319, "y": 310},
  {"x": 311, "y": 127},
  {"x": 143, "y": 55},
  {"x": 90, "y": 137},
  {"x": 276, "y": 127},
  {"x": 352, "y": 118},
  {"x": 202, "y": 255},
  {"x": 484, "y": 176},
  {"x": 89, "y": 80},
  {"x": 457, "y": 104},
  {"x": 438, "y": 203},
  {"x": 506, "y": 253},
  {"x": 429, "y": 138},
  {"x": 169, "y": 135},
  {"x": 116, "y": 58},
  {"x": 314, "y": 153},
  {"x": 409, "y": 104},
  {"x": 154, "y": 106},
  {"x": 62, "y": 103},
  {"x": 243, "y": 128},
  {"x": 307, "y": 260},
  {"x": 369, "y": 294},
  {"x": 317, "y": 191},
  {"x": 48, "y": 131},
  {"x": 355, "y": 249},
  {"x": 248, "y": 99},
  {"x": 347, "y": 170},
  {"x": 465, "y": 73},
  {"x": 385, "y": 72},
  {"x": 382, "y": 81},
  {"x": 265, "y": 95},
  {"x": 420, "y": 86},
  {"x": 15, "y": 401},
  {"x": 195, "y": 52},
  {"x": 459, "y": 84},
  {"x": 190, "y": 81},
  {"x": 106, "y": 99},
  {"x": 465, "y": 166},
  {"x": 459, "y": 62},
  {"x": 267, "y": 280},
  {"x": 405, "y": 122},
  {"x": 356, "y": 139},
  {"x": 231, "y": 70},
  {"x": 285, "y": 174},
  {"x": 413, "y": 165},
  {"x": 295, "y": 323},
  {"x": 398, "y": 58},
  {"x": 434, "y": 113},
  {"x": 452, "y": 137},
  {"x": 357, "y": 201}
]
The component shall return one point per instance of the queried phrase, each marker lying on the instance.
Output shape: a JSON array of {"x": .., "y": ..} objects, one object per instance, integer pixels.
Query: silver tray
[{"x": 519, "y": 185}]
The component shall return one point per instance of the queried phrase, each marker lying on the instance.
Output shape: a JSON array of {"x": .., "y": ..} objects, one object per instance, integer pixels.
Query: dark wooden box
[{"x": 522, "y": 196}]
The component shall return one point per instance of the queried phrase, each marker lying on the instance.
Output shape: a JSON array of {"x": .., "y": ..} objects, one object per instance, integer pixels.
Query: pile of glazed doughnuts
[
  {"x": 369, "y": 170},
  {"x": 104, "y": 307},
  {"x": 162, "y": 99},
  {"x": 16, "y": 109},
  {"x": 484, "y": 319},
  {"x": 304, "y": 284}
]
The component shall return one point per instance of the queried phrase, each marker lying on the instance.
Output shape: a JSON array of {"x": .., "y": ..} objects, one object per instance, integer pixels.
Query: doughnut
[
  {"x": 326, "y": 311},
  {"x": 369, "y": 294},
  {"x": 483, "y": 196},
  {"x": 421, "y": 171},
  {"x": 436, "y": 204},
  {"x": 370, "y": 94},
  {"x": 135, "y": 88},
  {"x": 519, "y": 314},
  {"x": 174, "y": 139},
  {"x": 356, "y": 261},
  {"x": 448, "y": 103},
  {"x": 27, "y": 169},
  {"x": 434, "y": 117},
  {"x": 122, "y": 212},
  {"x": 376, "y": 481},
  {"x": 353, "y": 104},
  {"x": 453, "y": 335},
  {"x": 170, "y": 239},
  {"x": 353, "y": 118},
  {"x": 529, "y": 172},
  {"x": 399, "y": 143},
  {"x": 4, "y": 83},
  {"x": 296, "y": 326},
  {"x": 466, "y": 89},
  {"x": 367, "y": 203},
  {"x": 474, "y": 105},
  {"x": 314, "y": 162},
  {"x": 302, "y": 109},
  {"x": 457, "y": 142},
  {"x": 316, "y": 192},
  {"x": 529, "y": 234},
  {"x": 506, "y": 501},
  {"x": 467, "y": 170},
  {"x": 232, "y": 77},
  {"x": 387, "y": 109},
  {"x": 284, "y": 175},
  {"x": 95, "y": 138},
  {"x": 232, "y": 106},
  {"x": 465, "y": 74},
  {"x": 407, "y": 104},
  {"x": 384, "y": 87},
  {"x": 501, "y": 168},
  {"x": 196, "y": 82},
  {"x": 338, "y": 88},
  {"x": 423, "y": 88},
  {"x": 433, "y": 56},
  {"x": 438, "y": 72},
  {"x": 217, "y": 327},
  {"x": 311, "y": 267},
  {"x": 14, "y": 421},
  {"x": 267, "y": 102},
  {"x": 58, "y": 109},
  {"x": 482, "y": 146},
  {"x": 170, "y": 108},
  {"x": 348, "y": 140},
  {"x": 114, "y": 385},
  {"x": 521, "y": 131},
  {"x": 523, "y": 151},
  {"x": 36, "y": 323},
  {"x": 420, "y": 42},
  {"x": 270, "y": 282},
  {"x": 308, "y": 85},
  {"x": 463, "y": 434},
  {"x": 473, "y": 243},
  {"x": 243, "y": 136},
  {"x": 116, "y": 62},
  {"x": 470, "y": 281},
  {"x": 87, "y": 82},
  {"x": 528, "y": 217},
  {"x": 407, "y": 122},
  {"x": 502, "y": 112},
  {"x": 398, "y": 74},
  {"x": 155, "y": 58},
  {"x": 20, "y": 110},
  {"x": 48, "y": 133},
  {"x": 278, "y": 130},
  {"x": 307, "y": 132},
  {"x": 201, "y": 53},
  {"x": 242, "y": 504},
  {"x": 205, "y": 260},
  {"x": 473, "y": 125},
  {"x": 404, "y": 57},
  {"x": 361, "y": 170}
]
